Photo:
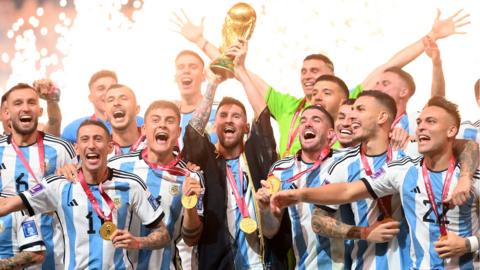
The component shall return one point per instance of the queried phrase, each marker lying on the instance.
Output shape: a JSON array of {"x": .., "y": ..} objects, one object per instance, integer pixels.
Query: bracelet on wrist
[{"x": 474, "y": 242}]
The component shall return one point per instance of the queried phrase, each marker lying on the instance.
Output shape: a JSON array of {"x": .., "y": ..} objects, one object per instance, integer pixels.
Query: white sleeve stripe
[{"x": 352, "y": 153}]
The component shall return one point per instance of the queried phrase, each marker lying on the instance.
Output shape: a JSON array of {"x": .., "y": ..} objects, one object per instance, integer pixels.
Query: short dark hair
[
  {"x": 91, "y": 122},
  {"x": 321, "y": 57},
  {"x": 405, "y": 76},
  {"x": 450, "y": 107},
  {"x": 162, "y": 104},
  {"x": 348, "y": 101},
  {"x": 102, "y": 74},
  {"x": 384, "y": 99},
  {"x": 325, "y": 112},
  {"x": 477, "y": 89},
  {"x": 336, "y": 80},
  {"x": 17, "y": 87},
  {"x": 232, "y": 101},
  {"x": 188, "y": 52}
]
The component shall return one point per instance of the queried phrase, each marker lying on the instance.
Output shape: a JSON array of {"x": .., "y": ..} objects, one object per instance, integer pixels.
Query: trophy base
[{"x": 223, "y": 66}]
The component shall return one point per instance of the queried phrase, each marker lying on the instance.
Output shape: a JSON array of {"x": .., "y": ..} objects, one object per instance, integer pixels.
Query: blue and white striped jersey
[
  {"x": 469, "y": 131},
  {"x": 405, "y": 178},
  {"x": 185, "y": 118},
  {"x": 84, "y": 247},
  {"x": 312, "y": 251},
  {"x": 247, "y": 254},
  {"x": 19, "y": 232},
  {"x": 166, "y": 188},
  {"x": 408, "y": 123},
  {"x": 127, "y": 149},
  {"x": 366, "y": 212},
  {"x": 15, "y": 178}
]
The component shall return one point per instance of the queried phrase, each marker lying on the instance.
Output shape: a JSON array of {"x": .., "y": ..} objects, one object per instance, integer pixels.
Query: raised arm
[
  {"x": 23, "y": 259},
  {"x": 440, "y": 29},
  {"x": 270, "y": 222},
  {"x": 51, "y": 94},
  {"x": 325, "y": 224},
  {"x": 438, "y": 80},
  {"x": 192, "y": 224},
  {"x": 194, "y": 34}
]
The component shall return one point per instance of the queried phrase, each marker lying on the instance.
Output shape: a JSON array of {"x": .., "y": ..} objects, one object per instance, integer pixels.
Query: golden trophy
[{"x": 239, "y": 23}]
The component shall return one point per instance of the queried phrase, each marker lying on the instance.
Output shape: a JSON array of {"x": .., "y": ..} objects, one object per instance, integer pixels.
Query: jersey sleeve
[
  {"x": 146, "y": 206},
  {"x": 28, "y": 232},
  {"x": 335, "y": 174},
  {"x": 278, "y": 102},
  {"x": 42, "y": 198},
  {"x": 469, "y": 131},
  {"x": 383, "y": 183}
]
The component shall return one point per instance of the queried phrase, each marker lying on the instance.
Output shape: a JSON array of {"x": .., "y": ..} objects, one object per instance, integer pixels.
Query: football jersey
[
  {"x": 312, "y": 251},
  {"x": 408, "y": 123},
  {"x": 405, "y": 178},
  {"x": 366, "y": 212},
  {"x": 119, "y": 150},
  {"x": 246, "y": 247},
  {"x": 469, "y": 131},
  {"x": 84, "y": 247},
  {"x": 166, "y": 188},
  {"x": 185, "y": 118},
  {"x": 19, "y": 232},
  {"x": 15, "y": 177}
]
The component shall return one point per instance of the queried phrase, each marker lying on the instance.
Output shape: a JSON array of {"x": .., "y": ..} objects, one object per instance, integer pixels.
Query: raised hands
[
  {"x": 47, "y": 90},
  {"x": 238, "y": 52},
  {"x": 448, "y": 26},
  {"x": 190, "y": 31}
]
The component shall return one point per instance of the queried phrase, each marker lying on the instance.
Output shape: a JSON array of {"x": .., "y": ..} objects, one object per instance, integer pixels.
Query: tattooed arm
[
  {"x": 467, "y": 154},
  {"x": 325, "y": 224},
  {"x": 157, "y": 239},
  {"x": 22, "y": 260},
  {"x": 202, "y": 112}
]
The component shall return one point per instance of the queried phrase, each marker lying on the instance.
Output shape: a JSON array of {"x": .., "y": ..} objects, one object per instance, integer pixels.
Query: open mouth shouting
[
  {"x": 26, "y": 119},
  {"x": 186, "y": 81},
  {"x": 229, "y": 131},
  {"x": 119, "y": 114},
  {"x": 423, "y": 138},
  {"x": 308, "y": 84},
  {"x": 161, "y": 137},
  {"x": 309, "y": 134}
]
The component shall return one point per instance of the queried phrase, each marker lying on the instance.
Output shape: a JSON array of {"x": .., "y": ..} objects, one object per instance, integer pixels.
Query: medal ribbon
[
  {"x": 170, "y": 167},
  {"x": 321, "y": 157},
  {"x": 92, "y": 199},
  {"x": 41, "y": 156},
  {"x": 238, "y": 197},
  {"x": 446, "y": 185},
  {"x": 133, "y": 147},
  {"x": 293, "y": 135},
  {"x": 385, "y": 203}
]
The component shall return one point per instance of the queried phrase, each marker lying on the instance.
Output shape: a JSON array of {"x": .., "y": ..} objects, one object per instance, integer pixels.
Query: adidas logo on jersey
[
  {"x": 73, "y": 203},
  {"x": 415, "y": 190}
]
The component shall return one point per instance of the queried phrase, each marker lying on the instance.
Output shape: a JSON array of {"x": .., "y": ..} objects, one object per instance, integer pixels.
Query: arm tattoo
[
  {"x": 157, "y": 239},
  {"x": 202, "y": 112},
  {"x": 325, "y": 224},
  {"x": 21, "y": 260},
  {"x": 467, "y": 155}
]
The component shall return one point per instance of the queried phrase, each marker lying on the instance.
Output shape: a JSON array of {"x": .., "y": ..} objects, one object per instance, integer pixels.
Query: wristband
[
  {"x": 474, "y": 243},
  {"x": 364, "y": 232}
]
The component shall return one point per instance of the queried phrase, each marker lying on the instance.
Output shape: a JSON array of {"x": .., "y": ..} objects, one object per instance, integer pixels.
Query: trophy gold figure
[{"x": 239, "y": 23}]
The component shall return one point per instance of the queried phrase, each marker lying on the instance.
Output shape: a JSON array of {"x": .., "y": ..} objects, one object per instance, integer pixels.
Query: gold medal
[
  {"x": 107, "y": 229},
  {"x": 274, "y": 184},
  {"x": 248, "y": 225},
  {"x": 189, "y": 202}
]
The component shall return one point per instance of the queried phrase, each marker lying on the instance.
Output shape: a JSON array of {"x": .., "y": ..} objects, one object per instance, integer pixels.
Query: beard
[{"x": 24, "y": 131}]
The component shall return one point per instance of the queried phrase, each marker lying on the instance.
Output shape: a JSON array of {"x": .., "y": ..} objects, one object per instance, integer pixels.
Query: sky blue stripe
[
  {"x": 95, "y": 242},
  {"x": 70, "y": 226},
  {"x": 51, "y": 157},
  {"x": 46, "y": 228},
  {"x": 6, "y": 245},
  {"x": 408, "y": 204},
  {"x": 122, "y": 189},
  {"x": 404, "y": 123}
]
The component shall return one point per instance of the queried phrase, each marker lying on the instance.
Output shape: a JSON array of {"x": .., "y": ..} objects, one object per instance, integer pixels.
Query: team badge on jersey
[
  {"x": 36, "y": 189},
  {"x": 29, "y": 228},
  {"x": 174, "y": 189},
  {"x": 117, "y": 201},
  {"x": 153, "y": 202},
  {"x": 2, "y": 227}
]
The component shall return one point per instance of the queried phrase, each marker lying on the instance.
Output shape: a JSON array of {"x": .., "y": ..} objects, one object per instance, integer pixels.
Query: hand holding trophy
[{"x": 239, "y": 24}]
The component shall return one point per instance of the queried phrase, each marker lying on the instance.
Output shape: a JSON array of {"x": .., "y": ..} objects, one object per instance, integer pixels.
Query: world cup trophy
[{"x": 239, "y": 23}]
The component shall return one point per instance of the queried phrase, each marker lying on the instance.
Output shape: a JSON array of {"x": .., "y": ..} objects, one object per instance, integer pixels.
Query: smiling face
[
  {"x": 162, "y": 130},
  {"x": 23, "y": 110},
  {"x": 311, "y": 70},
  {"x": 93, "y": 145},
  {"x": 189, "y": 74},
  {"x": 328, "y": 95},
  {"x": 343, "y": 126},
  {"x": 97, "y": 92},
  {"x": 435, "y": 130},
  {"x": 364, "y": 118},
  {"x": 121, "y": 108},
  {"x": 315, "y": 131},
  {"x": 231, "y": 125}
]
